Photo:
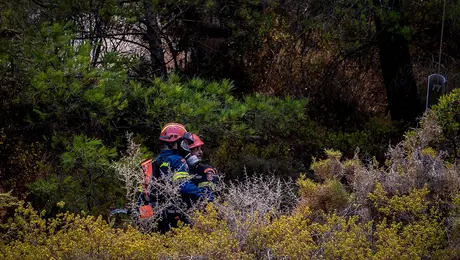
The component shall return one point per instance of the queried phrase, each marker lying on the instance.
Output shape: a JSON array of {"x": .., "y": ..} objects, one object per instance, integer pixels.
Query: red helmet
[
  {"x": 196, "y": 141},
  {"x": 172, "y": 132}
]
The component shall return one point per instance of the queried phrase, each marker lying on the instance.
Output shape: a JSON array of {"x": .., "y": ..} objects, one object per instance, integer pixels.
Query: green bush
[
  {"x": 80, "y": 113},
  {"x": 85, "y": 181},
  {"x": 447, "y": 113},
  {"x": 372, "y": 140},
  {"x": 68, "y": 96},
  {"x": 258, "y": 132},
  {"x": 66, "y": 92}
]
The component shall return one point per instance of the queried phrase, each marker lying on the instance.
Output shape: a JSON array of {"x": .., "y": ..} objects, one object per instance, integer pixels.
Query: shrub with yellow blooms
[{"x": 408, "y": 208}]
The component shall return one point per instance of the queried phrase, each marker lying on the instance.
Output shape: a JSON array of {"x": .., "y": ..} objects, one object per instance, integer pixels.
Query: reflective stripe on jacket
[{"x": 176, "y": 166}]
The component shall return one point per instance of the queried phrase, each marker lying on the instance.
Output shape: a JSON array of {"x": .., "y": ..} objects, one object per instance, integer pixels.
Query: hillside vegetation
[
  {"x": 313, "y": 113},
  {"x": 406, "y": 209}
]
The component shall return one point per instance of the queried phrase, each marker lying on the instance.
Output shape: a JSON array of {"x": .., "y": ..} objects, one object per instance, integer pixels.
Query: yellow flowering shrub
[
  {"x": 418, "y": 240},
  {"x": 328, "y": 168},
  {"x": 301, "y": 234},
  {"x": 209, "y": 238},
  {"x": 298, "y": 237},
  {"x": 327, "y": 196},
  {"x": 70, "y": 236},
  {"x": 429, "y": 151},
  {"x": 349, "y": 211},
  {"x": 409, "y": 226},
  {"x": 411, "y": 205}
]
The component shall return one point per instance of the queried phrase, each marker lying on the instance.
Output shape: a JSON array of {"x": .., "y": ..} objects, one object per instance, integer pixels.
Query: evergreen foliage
[{"x": 312, "y": 91}]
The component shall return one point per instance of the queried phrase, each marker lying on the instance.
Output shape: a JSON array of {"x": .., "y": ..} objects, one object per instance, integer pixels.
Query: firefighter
[
  {"x": 204, "y": 175},
  {"x": 173, "y": 162}
]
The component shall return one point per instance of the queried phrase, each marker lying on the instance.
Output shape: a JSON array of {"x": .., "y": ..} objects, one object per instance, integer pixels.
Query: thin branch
[
  {"x": 174, "y": 18},
  {"x": 40, "y": 4},
  {"x": 114, "y": 34},
  {"x": 125, "y": 40}
]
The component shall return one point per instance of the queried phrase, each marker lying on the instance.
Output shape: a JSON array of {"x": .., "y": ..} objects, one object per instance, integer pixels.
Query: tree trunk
[
  {"x": 396, "y": 66},
  {"x": 157, "y": 58}
]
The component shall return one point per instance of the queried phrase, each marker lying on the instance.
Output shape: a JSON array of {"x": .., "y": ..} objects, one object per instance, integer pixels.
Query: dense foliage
[
  {"x": 407, "y": 209},
  {"x": 274, "y": 88}
]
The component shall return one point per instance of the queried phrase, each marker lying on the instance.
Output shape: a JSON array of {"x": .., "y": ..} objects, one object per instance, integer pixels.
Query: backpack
[{"x": 150, "y": 169}]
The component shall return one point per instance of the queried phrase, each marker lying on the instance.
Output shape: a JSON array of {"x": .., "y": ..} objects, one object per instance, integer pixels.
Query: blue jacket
[{"x": 172, "y": 163}]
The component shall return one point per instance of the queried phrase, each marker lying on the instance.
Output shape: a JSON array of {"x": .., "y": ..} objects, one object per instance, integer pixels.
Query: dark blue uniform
[
  {"x": 175, "y": 168},
  {"x": 172, "y": 163}
]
